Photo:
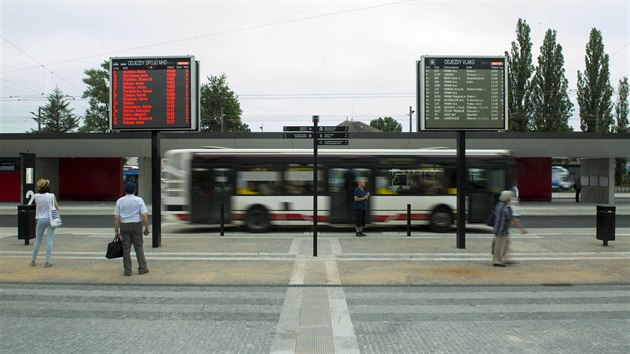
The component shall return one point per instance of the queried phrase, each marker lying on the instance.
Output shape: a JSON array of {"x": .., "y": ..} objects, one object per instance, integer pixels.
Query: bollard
[
  {"x": 222, "y": 220},
  {"x": 408, "y": 219}
]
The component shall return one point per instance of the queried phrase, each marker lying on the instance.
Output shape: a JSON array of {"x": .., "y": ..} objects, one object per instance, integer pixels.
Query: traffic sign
[
  {"x": 300, "y": 135},
  {"x": 335, "y": 135},
  {"x": 308, "y": 128},
  {"x": 332, "y": 142},
  {"x": 332, "y": 128},
  {"x": 294, "y": 128}
]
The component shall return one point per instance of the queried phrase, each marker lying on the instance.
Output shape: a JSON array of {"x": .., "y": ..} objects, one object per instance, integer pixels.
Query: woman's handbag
[
  {"x": 55, "y": 219},
  {"x": 114, "y": 249}
]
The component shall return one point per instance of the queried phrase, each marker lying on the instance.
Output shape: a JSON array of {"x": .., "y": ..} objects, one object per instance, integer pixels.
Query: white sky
[{"x": 321, "y": 49}]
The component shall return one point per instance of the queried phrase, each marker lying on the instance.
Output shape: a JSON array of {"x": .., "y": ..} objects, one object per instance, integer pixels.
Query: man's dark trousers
[{"x": 131, "y": 233}]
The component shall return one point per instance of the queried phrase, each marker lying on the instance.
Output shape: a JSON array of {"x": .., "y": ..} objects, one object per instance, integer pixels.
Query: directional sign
[
  {"x": 332, "y": 142},
  {"x": 308, "y": 128},
  {"x": 298, "y": 135},
  {"x": 294, "y": 128},
  {"x": 335, "y": 135},
  {"x": 333, "y": 128}
]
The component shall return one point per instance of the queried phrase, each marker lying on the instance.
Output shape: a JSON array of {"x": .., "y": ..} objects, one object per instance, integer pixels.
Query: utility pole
[
  {"x": 411, "y": 111},
  {"x": 222, "y": 115},
  {"x": 39, "y": 120}
]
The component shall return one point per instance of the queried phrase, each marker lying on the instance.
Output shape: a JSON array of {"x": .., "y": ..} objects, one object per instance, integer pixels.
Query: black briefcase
[{"x": 114, "y": 249}]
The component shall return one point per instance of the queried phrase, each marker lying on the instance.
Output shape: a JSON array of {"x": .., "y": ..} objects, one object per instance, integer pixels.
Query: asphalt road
[{"x": 531, "y": 222}]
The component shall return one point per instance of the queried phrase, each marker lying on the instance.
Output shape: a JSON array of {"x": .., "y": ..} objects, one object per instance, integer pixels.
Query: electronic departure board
[
  {"x": 149, "y": 93},
  {"x": 462, "y": 93}
]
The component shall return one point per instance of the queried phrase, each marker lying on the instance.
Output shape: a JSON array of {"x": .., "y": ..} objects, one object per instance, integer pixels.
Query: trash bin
[
  {"x": 606, "y": 223},
  {"x": 26, "y": 222}
]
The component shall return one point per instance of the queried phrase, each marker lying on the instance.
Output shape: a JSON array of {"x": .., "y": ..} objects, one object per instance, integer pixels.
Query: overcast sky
[{"x": 344, "y": 59}]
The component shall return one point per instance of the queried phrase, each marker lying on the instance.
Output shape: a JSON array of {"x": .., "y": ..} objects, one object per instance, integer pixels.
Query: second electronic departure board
[
  {"x": 462, "y": 93},
  {"x": 154, "y": 93}
]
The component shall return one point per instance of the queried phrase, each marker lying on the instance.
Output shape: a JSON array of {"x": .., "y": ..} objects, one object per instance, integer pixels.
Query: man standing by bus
[
  {"x": 129, "y": 216},
  {"x": 360, "y": 206}
]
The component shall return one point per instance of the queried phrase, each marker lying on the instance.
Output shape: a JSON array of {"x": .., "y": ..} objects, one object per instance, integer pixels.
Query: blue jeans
[{"x": 42, "y": 225}]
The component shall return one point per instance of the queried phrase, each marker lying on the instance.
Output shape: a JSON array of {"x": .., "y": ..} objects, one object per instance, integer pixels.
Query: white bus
[{"x": 261, "y": 188}]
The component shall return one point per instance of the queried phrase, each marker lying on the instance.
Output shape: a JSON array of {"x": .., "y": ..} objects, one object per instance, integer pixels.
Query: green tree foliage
[
  {"x": 594, "y": 90},
  {"x": 97, "y": 115},
  {"x": 623, "y": 126},
  {"x": 621, "y": 107},
  {"x": 520, "y": 71},
  {"x": 549, "y": 96},
  {"x": 216, "y": 94},
  {"x": 56, "y": 115},
  {"x": 387, "y": 124}
]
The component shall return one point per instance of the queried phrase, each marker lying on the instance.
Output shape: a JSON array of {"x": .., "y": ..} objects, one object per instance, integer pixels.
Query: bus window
[
  {"x": 298, "y": 179},
  {"x": 258, "y": 180},
  {"x": 487, "y": 180},
  {"x": 421, "y": 180}
]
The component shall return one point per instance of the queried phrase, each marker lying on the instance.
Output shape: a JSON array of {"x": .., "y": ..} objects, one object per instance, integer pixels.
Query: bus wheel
[
  {"x": 441, "y": 220},
  {"x": 257, "y": 219}
]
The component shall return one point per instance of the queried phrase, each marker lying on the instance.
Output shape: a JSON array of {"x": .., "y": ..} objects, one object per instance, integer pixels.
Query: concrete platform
[{"x": 546, "y": 256}]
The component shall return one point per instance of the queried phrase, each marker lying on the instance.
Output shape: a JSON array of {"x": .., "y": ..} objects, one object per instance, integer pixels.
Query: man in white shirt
[{"x": 129, "y": 217}]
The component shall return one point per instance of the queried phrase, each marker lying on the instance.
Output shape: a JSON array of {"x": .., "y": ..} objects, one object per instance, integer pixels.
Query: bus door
[
  {"x": 211, "y": 187},
  {"x": 341, "y": 185},
  {"x": 484, "y": 187}
]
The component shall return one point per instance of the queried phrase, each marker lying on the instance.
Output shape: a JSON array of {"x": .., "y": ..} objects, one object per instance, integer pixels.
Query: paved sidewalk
[
  {"x": 194, "y": 256},
  {"x": 385, "y": 293}
]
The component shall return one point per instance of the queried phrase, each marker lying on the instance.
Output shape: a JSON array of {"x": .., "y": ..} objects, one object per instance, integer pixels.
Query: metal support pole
[
  {"x": 461, "y": 189},
  {"x": 410, "y": 115},
  {"x": 315, "y": 135},
  {"x": 222, "y": 118},
  {"x": 222, "y": 220},
  {"x": 156, "y": 189},
  {"x": 408, "y": 219}
]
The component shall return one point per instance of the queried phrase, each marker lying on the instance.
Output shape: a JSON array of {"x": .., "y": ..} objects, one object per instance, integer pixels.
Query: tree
[
  {"x": 621, "y": 107},
  {"x": 520, "y": 71},
  {"x": 387, "y": 124},
  {"x": 594, "y": 91},
  {"x": 97, "y": 93},
  {"x": 621, "y": 113},
  {"x": 549, "y": 96},
  {"x": 217, "y": 97},
  {"x": 56, "y": 116}
]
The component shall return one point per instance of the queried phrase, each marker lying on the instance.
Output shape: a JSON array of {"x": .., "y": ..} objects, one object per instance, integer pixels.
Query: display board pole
[
  {"x": 462, "y": 175},
  {"x": 315, "y": 135},
  {"x": 156, "y": 188}
]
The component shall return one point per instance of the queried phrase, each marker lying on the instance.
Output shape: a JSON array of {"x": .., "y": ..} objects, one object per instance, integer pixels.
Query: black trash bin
[
  {"x": 26, "y": 222},
  {"x": 606, "y": 223}
]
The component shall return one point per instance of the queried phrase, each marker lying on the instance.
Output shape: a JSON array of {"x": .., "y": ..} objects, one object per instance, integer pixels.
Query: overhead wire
[
  {"x": 213, "y": 34},
  {"x": 44, "y": 66}
]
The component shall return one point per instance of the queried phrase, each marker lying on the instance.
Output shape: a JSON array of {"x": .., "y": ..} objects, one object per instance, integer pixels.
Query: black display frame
[
  {"x": 421, "y": 94},
  {"x": 157, "y": 63}
]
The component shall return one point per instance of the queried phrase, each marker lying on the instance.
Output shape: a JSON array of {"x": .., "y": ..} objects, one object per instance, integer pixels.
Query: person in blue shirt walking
[
  {"x": 504, "y": 217},
  {"x": 360, "y": 206}
]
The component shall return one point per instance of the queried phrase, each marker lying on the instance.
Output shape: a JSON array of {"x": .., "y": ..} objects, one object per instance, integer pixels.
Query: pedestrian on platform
[
  {"x": 578, "y": 189},
  {"x": 44, "y": 199},
  {"x": 360, "y": 206},
  {"x": 129, "y": 217},
  {"x": 503, "y": 218}
]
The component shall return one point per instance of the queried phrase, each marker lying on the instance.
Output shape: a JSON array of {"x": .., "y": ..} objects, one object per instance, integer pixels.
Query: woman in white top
[{"x": 43, "y": 200}]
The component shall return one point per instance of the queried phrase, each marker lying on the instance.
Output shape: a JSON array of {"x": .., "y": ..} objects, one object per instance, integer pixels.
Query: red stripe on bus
[
  {"x": 414, "y": 216},
  {"x": 285, "y": 217}
]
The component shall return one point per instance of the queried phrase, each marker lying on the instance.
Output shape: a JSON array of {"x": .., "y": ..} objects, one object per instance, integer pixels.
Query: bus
[
  {"x": 262, "y": 188},
  {"x": 561, "y": 178}
]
